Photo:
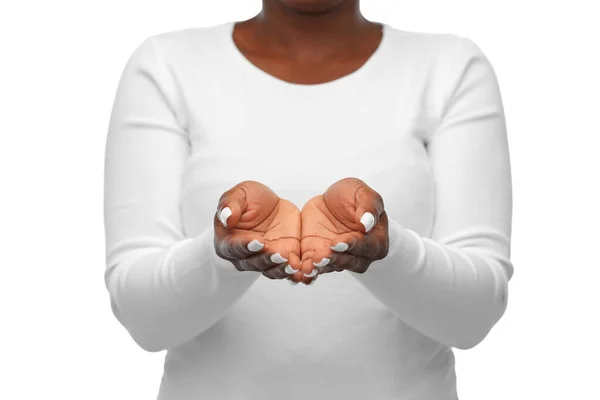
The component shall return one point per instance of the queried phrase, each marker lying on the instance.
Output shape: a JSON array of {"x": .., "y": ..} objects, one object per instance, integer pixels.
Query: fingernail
[
  {"x": 225, "y": 213},
  {"x": 322, "y": 263},
  {"x": 277, "y": 259},
  {"x": 341, "y": 246},
  {"x": 314, "y": 272},
  {"x": 255, "y": 245},
  {"x": 368, "y": 220},
  {"x": 292, "y": 282},
  {"x": 312, "y": 282},
  {"x": 289, "y": 270}
]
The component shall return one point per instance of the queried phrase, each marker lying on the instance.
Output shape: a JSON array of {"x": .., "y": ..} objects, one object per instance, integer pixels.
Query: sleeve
[
  {"x": 453, "y": 286},
  {"x": 165, "y": 288}
]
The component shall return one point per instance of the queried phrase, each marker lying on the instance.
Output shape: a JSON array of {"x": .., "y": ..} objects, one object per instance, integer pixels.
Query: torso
[{"x": 332, "y": 340}]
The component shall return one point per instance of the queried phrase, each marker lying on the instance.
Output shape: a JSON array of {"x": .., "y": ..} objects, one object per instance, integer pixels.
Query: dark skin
[
  {"x": 304, "y": 42},
  {"x": 308, "y": 41}
]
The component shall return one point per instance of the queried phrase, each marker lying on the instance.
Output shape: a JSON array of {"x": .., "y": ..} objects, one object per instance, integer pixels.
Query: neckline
[{"x": 267, "y": 78}]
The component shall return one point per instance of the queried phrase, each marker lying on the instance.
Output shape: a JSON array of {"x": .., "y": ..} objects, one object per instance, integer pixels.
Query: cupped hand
[
  {"x": 346, "y": 228},
  {"x": 258, "y": 231}
]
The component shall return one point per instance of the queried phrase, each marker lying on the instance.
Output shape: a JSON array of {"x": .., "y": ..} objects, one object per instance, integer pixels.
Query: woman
[{"x": 304, "y": 141}]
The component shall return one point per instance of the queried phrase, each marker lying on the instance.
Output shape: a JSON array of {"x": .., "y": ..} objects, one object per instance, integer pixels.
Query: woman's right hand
[{"x": 258, "y": 231}]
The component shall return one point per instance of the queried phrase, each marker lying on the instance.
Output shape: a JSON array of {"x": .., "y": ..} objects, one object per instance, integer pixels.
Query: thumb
[
  {"x": 246, "y": 205},
  {"x": 369, "y": 208},
  {"x": 231, "y": 206}
]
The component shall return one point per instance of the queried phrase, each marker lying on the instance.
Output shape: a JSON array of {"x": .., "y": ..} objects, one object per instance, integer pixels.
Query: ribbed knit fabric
[{"x": 421, "y": 122}]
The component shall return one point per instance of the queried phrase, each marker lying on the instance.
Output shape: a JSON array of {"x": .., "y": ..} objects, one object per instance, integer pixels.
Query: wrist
[{"x": 215, "y": 261}]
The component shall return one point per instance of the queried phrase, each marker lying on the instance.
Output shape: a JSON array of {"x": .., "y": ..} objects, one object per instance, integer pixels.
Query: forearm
[
  {"x": 166, "y": 296},
  {"x": 453, "y": 291}
]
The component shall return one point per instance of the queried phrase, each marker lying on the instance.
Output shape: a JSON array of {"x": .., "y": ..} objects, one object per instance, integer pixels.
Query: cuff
[
  {"x": 406, "y": 254},
  {"x": 194, "y": 258},
  {"x": 215, "y": 260}
]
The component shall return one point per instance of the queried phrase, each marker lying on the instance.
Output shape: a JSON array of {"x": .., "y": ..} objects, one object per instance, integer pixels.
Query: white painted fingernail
[
  {"x": 277, "y": 259},
  {"x": 255, "y": 245},
  {"x": 341, "y": 246},
  {"x": 368, "y": 220},
  {"x": 314, "y": 272},
  {"x": 289, "y": 270},
  {"x": 322, "y": 263},
  {"x": 292, "y": 282},
  {"x": 225, "y": 213}
]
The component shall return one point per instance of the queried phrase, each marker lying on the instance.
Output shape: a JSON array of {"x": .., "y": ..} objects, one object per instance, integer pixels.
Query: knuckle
[
  {"x": 265, "y": 263},
  {"x": 351, "y": 243},
  {"x": 236, "y": 191},
  {"x": 281, "y": 274},
  {"x": 260, "y": 263},
  {"x": 221, "y": 252},
  {"x": 262, "y": 267},
  {"x": 240, "y": 189},
  {"x": 238, "y": 266},
  {"x": 247, "y": 265},
  {"x": 356, "y": 263},
  {"x": 266, "y": 260},
  {"x": 266, "y": 274}
]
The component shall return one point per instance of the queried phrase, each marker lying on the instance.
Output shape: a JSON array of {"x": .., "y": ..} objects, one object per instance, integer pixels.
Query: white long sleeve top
[{"x": 192, "y": 117}]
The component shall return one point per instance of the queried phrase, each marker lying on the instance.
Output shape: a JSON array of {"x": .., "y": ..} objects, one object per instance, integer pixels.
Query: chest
[{"x": 299, "y": 145}]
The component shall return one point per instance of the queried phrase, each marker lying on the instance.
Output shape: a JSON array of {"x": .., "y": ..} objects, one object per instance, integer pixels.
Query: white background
[{"x": 59, "y": 65}]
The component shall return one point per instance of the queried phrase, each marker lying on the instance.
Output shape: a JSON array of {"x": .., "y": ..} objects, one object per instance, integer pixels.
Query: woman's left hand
[{"x": 346, "y": 228}]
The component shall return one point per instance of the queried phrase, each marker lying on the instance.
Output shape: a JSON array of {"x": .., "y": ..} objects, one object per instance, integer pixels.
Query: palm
[
  {"x": 257, "y": 231},
  {"x": 337, "y": 217},
  {"x": 320, "y": 224},
  {"x": 277, "y": 220}
]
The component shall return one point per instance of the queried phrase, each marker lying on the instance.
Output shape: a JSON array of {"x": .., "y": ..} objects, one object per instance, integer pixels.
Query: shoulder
[
  {"x": 435, "y": 50},
  {"x": 442, "y": 66},
  {"x": 440, "y": 61},
  {"x": 181, "y": 45}
]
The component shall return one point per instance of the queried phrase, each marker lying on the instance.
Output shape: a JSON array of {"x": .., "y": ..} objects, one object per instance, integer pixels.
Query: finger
[
  {"x": 274, "y": 254},
  {"x": 328, "y": 264},
  {"x": 314, "y": 248},
  {"x": 310, "y": 281},
  {"x": 231, "y": 205},
  {"x": 357, "y": 243},
  {"x": 297, "y": 277},
  {"x": 308, "y": 272},
  {"x": 284, "y": 270},
  {"x": 238, "y": 246},
  {"x": 294, "y": 271},
  {"x": 369, "y": 207},
  {"x": 294, "y": 264},
  {"x": 329, "y": 268},
  {"x": 307, "y": 268},
  {"x": 322, "y": 258},
  {"x": 349, "y": 262},
  {"x": 276, "y": 272},
  {"x": 265, "y": 260},
  {"x": 246, "y": 205}
]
